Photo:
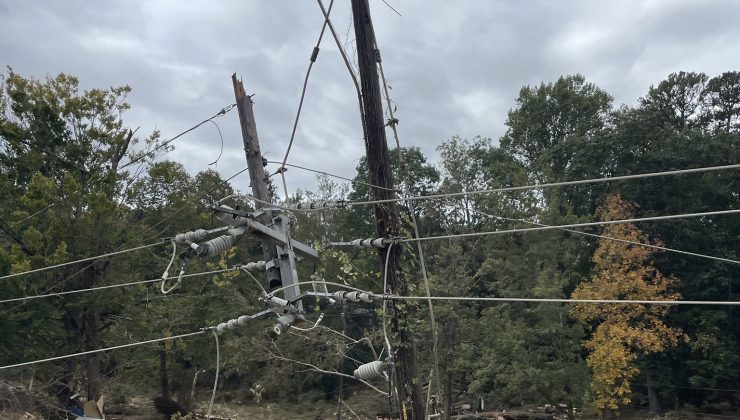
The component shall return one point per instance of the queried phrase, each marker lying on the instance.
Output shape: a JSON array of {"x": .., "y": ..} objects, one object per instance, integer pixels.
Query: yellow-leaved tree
[{"x": 623, "y": 332}]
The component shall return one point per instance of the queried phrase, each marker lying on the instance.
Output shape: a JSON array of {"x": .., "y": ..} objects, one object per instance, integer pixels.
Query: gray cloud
[{"x": 455, "y": 67}]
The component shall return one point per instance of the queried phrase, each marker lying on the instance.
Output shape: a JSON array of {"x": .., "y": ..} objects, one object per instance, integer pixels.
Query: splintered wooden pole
[{"x": 256, "y": 166}]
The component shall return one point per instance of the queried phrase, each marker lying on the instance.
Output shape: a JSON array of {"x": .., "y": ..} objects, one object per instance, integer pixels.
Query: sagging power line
[
  {"x": 574, "y": 225},
  {"x": 179, "y": 210},
  {"x": 114, "y": 286},
  {"x": 222, "y": 112},
  {"x": 646, "y": 245},
  {"x": 381, "y": 242},
  {"x": 298, "y": 207},
  {"x": 609, "y": 238},
  {"x": 384, "y": 296},
  {"x": 553, "y": 184},
  {"x": 97, "y": 257}
]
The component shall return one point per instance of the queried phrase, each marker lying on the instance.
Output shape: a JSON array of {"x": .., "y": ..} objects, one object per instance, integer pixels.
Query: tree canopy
[{"x": 76, "y": 181}]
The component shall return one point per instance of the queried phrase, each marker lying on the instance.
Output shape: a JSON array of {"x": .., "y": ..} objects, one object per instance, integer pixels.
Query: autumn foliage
[{"x": 622, "y": 333}]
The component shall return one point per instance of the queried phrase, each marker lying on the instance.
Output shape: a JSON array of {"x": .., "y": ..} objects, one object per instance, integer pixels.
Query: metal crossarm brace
[{"x": 263, "y": 231}]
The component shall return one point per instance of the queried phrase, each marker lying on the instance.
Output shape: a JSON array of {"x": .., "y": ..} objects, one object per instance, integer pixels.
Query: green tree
[
  {"x": 61, "y": 153},
  {"x": 423, "y": 180},
  {"x": 552, "y": 121},
  {"x": 721, "y": 96},
  {"x": 676, "y": 101}
]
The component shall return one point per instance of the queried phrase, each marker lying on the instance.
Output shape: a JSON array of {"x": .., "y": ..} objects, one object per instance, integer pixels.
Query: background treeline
[{"x": 112, "y": 188}]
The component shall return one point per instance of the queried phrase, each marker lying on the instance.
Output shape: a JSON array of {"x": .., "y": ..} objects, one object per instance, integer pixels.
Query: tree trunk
[
  {"x": 164, "y": 380},
  {"x": 448, "y": 396},
  {"x": 91, "y": 320},
  {"x": 652, "y": 395},
  {"x": 183, "y": 394}
]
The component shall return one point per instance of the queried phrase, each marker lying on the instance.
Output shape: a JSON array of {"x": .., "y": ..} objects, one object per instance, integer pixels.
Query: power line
[
  {"x": 223, "y": 111},
  {"x": 355, "y": 181},
  {"x": 395, "y": 297},
  {"x": 609, "y": 238},
  {"x": 381, "y": 296},
  {"x": 97, "y": 257},
  {"x": 552, "y": 184},
  {"x": 505, "y": 189},
  {"x": 347, "y": 65},
  {"x": 113, "y": 286},
  {"x": 84, "y": 353},
  {"x": 563, "y": 300},
  {"x": 662, "y": 248},
  {"x": 220, "y": 113},
  {"x": 191, "y": 201},
  {"x": 220, "y": 136},
  {"x": 606, "y": 222},
  {"x": 314, "y": 55},
  {"x": 183, "y": 207},
  {"x": 392, "y": 122},
  {"x": 693, "y": 387},
  {"x": 392, "y": 8}
]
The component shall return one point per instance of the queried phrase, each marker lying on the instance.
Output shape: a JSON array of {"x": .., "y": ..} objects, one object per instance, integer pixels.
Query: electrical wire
[
  {"x": 174, "y": 286},
  {"x": 355, "y": 181},
  {"x": 662, "y": 248},
  {"x": 97, "y": 257},
  {"x": 223, "y": 111},
  {"x": 85, "y": 353},
  {"x": 264, "y": 292},
  {"x": 166, "y": 273},
  {"x": 505, "y": 189},
  {"x": 188, "y": 203},
  {"x": 314, "y": 55},
  {"x": 215, "y": 382},
  {"x": 302, "y": 283},
  {"x": 349, "y": 408},
  {"x": 392, "y": 8},
  {"x": 347, "y": 64},
  {"x": 179, "y": 210},
  {"x": 385, "y": 290},
  {"x": 311, "y": 328},
  {"x": 552, "y": 227},
  {"x": 220, "y": 113},
  {"x": 691, "y": 387},
  {"x": 221, "y": 136},
  {"x": 396, "y": 297},
  {"x": 111, "y": 286},
  {"x": 609, "y": 238},
  {"x": 407, "y": 181},
  {"x": 552, "y": 184},
  {"x": 563, "y": 300},
  {"x": 533, "y": 300},
  {"x": 274, "y": 205}
]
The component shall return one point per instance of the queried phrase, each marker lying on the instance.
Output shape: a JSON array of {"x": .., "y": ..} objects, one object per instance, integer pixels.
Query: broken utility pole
[
  {"x": 256, "y": 165},
  {"x": 386, "y": 214}
]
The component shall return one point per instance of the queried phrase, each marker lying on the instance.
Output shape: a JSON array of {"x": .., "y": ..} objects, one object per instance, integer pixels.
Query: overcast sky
[{"x": 455, "y": 67}]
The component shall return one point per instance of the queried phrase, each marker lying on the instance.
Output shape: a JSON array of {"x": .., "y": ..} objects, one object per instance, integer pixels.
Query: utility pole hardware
[{"x": 267, "y": 223}]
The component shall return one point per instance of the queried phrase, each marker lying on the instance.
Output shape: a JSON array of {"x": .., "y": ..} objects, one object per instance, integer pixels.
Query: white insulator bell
[{"x": 372, "y": 370}]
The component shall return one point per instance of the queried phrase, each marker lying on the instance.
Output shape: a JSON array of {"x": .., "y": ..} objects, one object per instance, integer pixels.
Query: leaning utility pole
[
  {"x": 256, "y": 166},
  {"x": 267, "y": 223},
  {"x": 386, "y": 214}
]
